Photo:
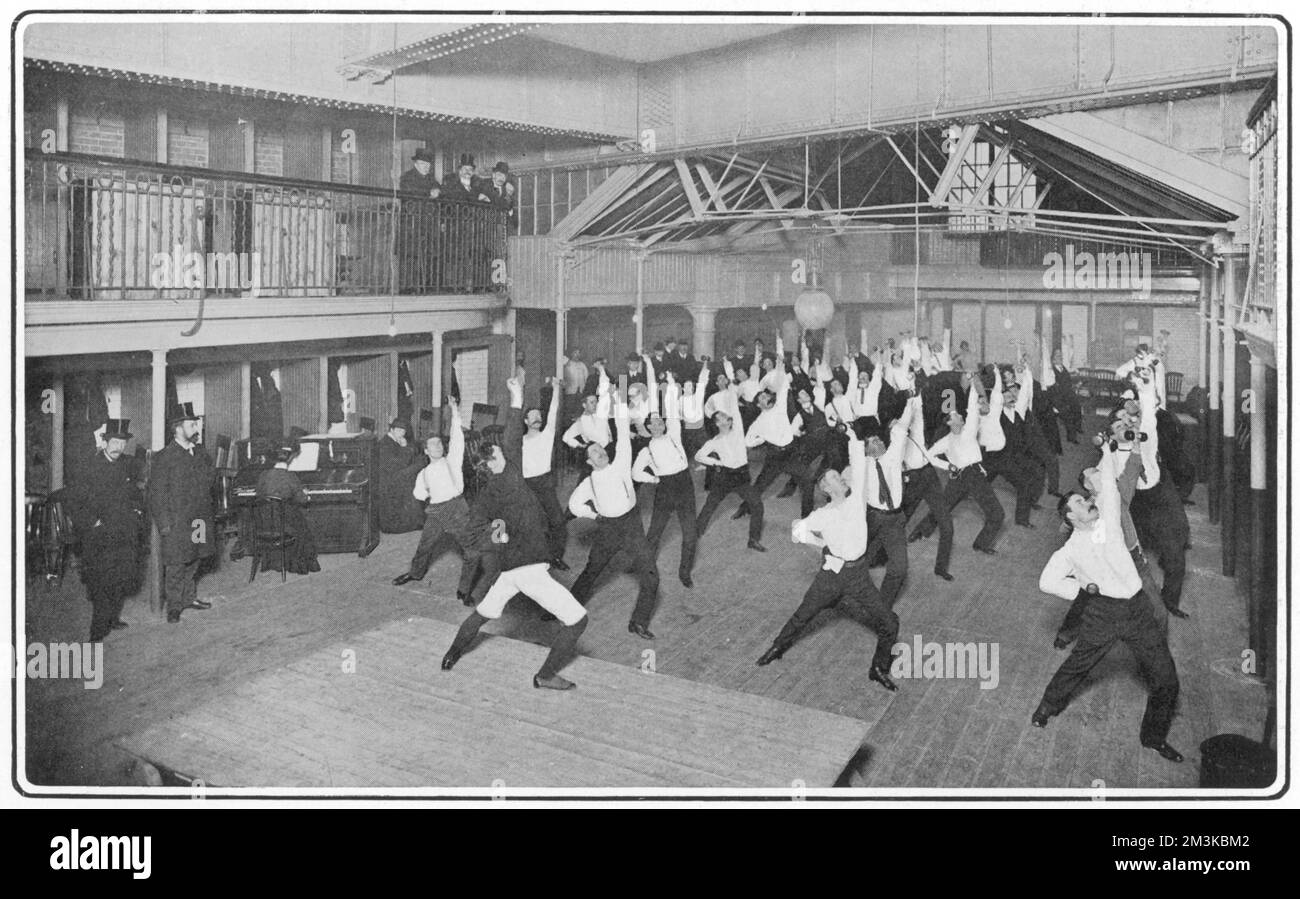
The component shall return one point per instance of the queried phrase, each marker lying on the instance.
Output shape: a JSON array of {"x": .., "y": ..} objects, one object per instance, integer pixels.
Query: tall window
[{"x": 1005, "y": 192}]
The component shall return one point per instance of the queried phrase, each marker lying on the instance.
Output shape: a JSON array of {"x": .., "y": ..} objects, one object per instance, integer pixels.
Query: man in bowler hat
[{"x": 180, "y": 501}]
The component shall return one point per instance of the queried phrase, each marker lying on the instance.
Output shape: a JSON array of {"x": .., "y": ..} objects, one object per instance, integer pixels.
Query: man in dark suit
[
  {"x": 468, "y": 265},
  {"x": 463, "y": 184},
  {"x": 107, "y": 510},
  {"x": 501, "y": 191},
  {"x": 418, "y": 238},
  {"x": 399, "y": 465},
  {"x": 180, "y": 501}
]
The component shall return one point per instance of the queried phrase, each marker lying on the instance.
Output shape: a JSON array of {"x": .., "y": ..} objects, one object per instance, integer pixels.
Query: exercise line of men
[{"x": 859, "y": 433}]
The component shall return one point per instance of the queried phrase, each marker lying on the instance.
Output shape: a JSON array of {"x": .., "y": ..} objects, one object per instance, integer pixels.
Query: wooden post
[
  {"x": 158, "y": 405},
  {"x": 1260, "y": 546},
  {"x": 56, "y": 436},
  {"x": 324, "y": 384},
  {"x": 435, "y": 402},
  {"x": 245, "y": 400},
  {"x": 161, "y": 137},
  {"x": 1227, "y": 511},
  {"x": 1213, "y": 442},
  {"x": 394, "y": 388}
]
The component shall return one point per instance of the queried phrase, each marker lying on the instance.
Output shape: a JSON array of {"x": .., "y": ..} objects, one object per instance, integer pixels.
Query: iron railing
[{"x": 99, "y": 228}]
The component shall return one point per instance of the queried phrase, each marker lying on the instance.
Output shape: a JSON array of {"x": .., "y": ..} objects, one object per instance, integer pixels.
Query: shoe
[
  {"x": 199, "y": 604},
  {"x": 881, "y": 676},
  {"x": 553, "y": 683},
  {"x": 450, "y": 659},
  {"x": 917, "y": 536},
  {"x": 1177, "y": 613},
  {"x": 1166, "y": 751},
  {"x": 404, "y": 578},
  {"x": 173, "y": 616},
  {"x": 118, "y": 625},
  {"x": 687, "y": 582},
  {"x": 640, "y": 630},
  {"x": 788, "y": 490},
  {"x": 740, "y": 513},
  {"x": 773, "y": 653},
  {"x": 943, "y": 574},
  {"x": 756, "y": 546},
  {"x": 1040, "y": 719},
  {"x": 1063, "y": 640},
  {"x": 988, "y": 551},
  {"x": 559, "y": 565}
]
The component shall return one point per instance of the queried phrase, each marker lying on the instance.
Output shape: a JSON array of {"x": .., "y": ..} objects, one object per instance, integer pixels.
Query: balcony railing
[
  {"x": 100, "y": 228},
  {"x": 1002, "y": 249}
]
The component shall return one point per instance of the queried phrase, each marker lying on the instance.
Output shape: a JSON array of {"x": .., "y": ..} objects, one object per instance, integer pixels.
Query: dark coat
[
  {"x": 500, "y": 198},
  {"x": 505, "y": 497},
  {"x": 398, "y": 466},
  {"x": 300, "y": 557},
  {"x": 413, "y": 182},
  {"x": 452, "y": 189},
  {"x": 107, "y": 511},
  {"x": 180, "y": 496}
]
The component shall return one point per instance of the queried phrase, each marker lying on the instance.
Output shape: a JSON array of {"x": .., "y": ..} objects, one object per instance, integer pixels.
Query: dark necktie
[{"x": 885, "y": 496}]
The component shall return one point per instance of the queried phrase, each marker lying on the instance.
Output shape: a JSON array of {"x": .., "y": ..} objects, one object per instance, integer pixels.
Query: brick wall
[
  {"x": 268, "y": 150},
  {"x": 100, "y": 133},
  {"x": 187, "y": 142}
]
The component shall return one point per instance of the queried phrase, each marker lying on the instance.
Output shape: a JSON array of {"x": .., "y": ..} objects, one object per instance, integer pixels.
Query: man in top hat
[
  {"x": 107, "y": 510},
  {"x": 399, "y": 464},
  {"x": 501, "y": 191},
  {"x": 418, "y": 237},
  {"x": 464, "y": 184},
  {"x": 180, "y": 501}
]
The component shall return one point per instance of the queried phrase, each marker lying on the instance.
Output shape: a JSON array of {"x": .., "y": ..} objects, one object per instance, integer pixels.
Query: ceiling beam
[
  {"x": 982, "y": 189},
  {"x": 943, "y": 187},
  {"x": 688, "y": 185},
  {"x": 907, "y": 162}
]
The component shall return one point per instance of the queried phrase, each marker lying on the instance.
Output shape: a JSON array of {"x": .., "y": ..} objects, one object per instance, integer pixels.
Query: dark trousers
[
  {"x": 732, "y": 480},
  {"x": 1105, "y": 620},
  {"x": 852, "y": 592},
  {"x": 675, "y": 493},
  {"x": 106, "y": 608},
  {"x": 1022, "y": 472},
  {"x": 557, "y": 526},
  {"x": 562, "y": 646},
  {"x": 1162, "y": 527},
  {"x": 888, "y": 532},
  {"x": 451, "y": 518},
  {"x": 786, "y": 459},
  {"x": 923, "y": 484},
  {"x": 971, "y": 481},
  {"x": 612, "y": 535},
  {"x": 180, "y": 583}
]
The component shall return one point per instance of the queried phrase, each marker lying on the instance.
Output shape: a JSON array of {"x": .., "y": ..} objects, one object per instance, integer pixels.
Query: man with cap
[
  {"x": 399, "y": 463},
  {"x": 501, "y": 191},
  {"x": 107, "y": 510},
  {"x": 180, "y": 500}
]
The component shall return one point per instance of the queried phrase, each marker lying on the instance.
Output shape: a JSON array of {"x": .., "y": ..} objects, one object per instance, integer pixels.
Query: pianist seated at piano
[
  {"x": 300, "y": 558},
  {"x": 399, "y": 464}
]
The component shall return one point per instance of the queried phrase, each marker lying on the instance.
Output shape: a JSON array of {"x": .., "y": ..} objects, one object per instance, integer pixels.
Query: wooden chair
[
  {"x": 269, "y": 535},
  {"x": 1173, "y": 387}
]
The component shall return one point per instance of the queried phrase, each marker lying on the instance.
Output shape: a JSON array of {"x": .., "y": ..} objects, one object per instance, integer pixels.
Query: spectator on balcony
[
  {"x": 417, "y": 248},
  {"x": 501, "y": 191},
  {"x": 465, "y": 185}
]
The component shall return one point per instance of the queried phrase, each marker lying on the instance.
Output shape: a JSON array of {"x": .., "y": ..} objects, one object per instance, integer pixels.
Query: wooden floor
[
  {"x": 932, "y": 733},
  {"x": 397, "y": 720}
]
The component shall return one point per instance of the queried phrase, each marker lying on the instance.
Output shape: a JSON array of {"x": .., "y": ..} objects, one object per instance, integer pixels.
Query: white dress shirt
[
  {"x": 610, "y": 489},
  {"x": 963, "y": 449},
  {"x": 841, "y": 527},
  {"x": 728, "y": 447},
  {"x": 444, "y": 479},
  {"x": 538, "y": 445},
  {"x": 891, "y": 462},
  {"x": 773, "y": 425},
  {"x": 1096, "y": 554},
  {"x": 991, "y": 436}
]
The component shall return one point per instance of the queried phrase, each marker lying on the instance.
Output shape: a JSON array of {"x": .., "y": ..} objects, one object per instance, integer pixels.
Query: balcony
[{"x": 108, "y": 229}]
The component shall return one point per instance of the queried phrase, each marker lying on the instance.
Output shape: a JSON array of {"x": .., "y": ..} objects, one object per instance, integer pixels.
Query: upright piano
[{"x": 339, "y": 475}]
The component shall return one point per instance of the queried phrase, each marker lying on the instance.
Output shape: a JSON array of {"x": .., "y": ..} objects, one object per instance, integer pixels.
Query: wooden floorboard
[{"x": 399, "y": 721}]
